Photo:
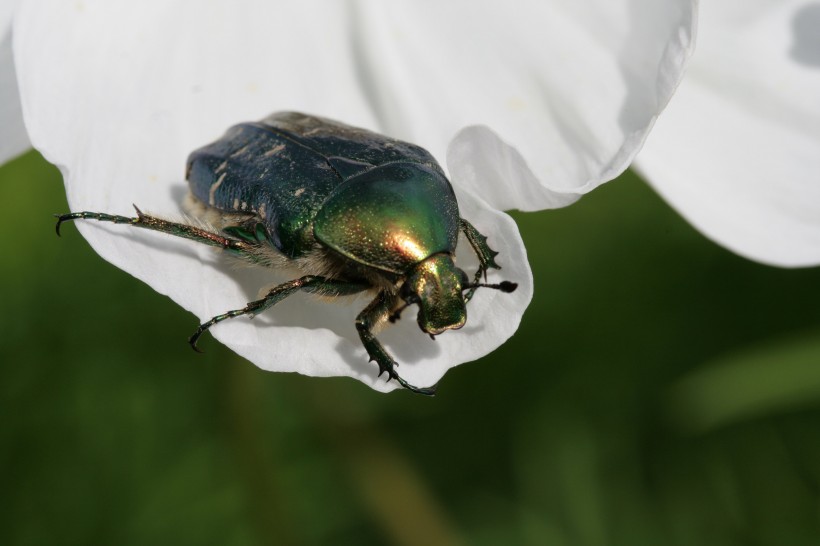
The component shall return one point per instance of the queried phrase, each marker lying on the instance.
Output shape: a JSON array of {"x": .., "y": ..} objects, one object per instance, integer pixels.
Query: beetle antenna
[{"x": 504, "y": 286}]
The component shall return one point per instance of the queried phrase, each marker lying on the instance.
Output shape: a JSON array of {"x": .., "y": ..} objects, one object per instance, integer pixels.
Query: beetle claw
[
  {"x": 59, "y": 218},
  {"x": 192, "y": 342},
  {"x": 427, "y": 391}
]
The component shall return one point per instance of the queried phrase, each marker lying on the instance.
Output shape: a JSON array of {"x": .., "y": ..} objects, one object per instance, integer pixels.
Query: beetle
[{"x": 352, "y": 210}]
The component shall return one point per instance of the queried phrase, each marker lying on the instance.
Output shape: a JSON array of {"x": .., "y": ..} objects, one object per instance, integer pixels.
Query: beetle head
[{"x": 436, "y": 285}]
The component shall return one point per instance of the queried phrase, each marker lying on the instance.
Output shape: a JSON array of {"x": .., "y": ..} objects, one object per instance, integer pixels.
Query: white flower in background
[
  {"x": 531, "y": 107},
  {"x": 738, "y": 150}
]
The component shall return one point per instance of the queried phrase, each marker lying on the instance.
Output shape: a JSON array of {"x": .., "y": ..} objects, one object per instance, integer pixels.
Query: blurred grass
[
  {"x": 660, "y": 391},
  {"x": 742, "y": 386}
]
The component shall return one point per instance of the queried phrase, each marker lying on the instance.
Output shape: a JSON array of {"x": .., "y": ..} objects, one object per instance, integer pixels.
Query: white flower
[
  {"x": 118, "y": 93},
  {"x": 14, "y": 139},
  {"x": 738, "y": 150}
]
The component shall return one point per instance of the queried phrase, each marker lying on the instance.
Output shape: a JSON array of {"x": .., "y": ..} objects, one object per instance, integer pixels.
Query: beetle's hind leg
[
  {"x": 377, "y": 311},
  {"x": 153, "y": 223},
  {"x": 486, "y": 255}
]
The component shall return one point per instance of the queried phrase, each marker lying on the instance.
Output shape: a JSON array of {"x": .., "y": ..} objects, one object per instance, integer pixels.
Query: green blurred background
[{"x": 660, "y": 391}]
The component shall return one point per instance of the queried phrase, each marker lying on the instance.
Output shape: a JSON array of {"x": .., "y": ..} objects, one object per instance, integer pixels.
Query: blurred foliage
[{"x": 660, "y": 391}]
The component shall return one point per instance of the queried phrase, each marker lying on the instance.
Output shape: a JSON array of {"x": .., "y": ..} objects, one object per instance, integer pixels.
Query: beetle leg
[
  {"x": 378, "y": 310},
  {"x": 308, "y": 283},
  {"x": 486, "y": 255},
  {"x": 396, "y": 315},
  {"x": 146, "y": 221}
]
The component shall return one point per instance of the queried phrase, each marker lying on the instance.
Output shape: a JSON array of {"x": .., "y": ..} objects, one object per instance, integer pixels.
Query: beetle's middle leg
[
  {"x": 377, "y": 311},
  {"x": 309, "y": 283},
  {"x": 486, "y": 255}
]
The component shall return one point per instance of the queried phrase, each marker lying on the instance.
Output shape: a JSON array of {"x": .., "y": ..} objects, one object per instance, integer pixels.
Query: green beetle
[{"x": 351, "y": 210}]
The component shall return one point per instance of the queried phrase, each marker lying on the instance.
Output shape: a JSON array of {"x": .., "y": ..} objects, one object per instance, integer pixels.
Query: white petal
[
  {"x": 572, "y": 86},
  {"x": 13, "y": 137},
  {"x": 570, "y": 90},
  {"x": 118, "y": 94},
  {"x": 738, "y": 150}
]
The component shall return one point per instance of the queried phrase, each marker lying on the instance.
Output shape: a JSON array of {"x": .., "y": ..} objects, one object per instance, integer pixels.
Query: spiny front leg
[
  {"x": 308, "y": 283},
  {"x": 375, "y": 312},
  {"x": 486, "y": 255}
]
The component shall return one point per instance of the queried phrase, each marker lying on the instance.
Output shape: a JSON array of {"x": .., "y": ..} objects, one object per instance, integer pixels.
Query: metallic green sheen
[
  {"x": 284, "y": 168},
  {"x": 438, "y": 284},
  {"x": 391, "y": 217}
]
